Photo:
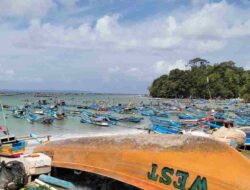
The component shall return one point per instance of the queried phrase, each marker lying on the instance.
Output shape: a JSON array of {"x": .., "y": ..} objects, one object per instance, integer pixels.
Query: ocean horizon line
[{"x": 66, "y": 91}]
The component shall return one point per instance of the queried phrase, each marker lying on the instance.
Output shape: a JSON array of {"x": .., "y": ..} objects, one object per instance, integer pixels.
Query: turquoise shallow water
[{"x": 71, "y": 126}]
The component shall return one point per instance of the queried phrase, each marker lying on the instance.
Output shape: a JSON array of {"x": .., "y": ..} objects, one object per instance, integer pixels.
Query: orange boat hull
[{"x": 155, "y": 162}]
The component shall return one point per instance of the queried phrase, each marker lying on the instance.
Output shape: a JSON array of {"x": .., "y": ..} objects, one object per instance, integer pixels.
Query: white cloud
[
  {"x": 206, "y": 23},
  {"x": 206, "y": 29},
  {"x": 216, "y": 20},
  {"x": 9, "y": 72},
  {"x": 25, "y": 8},
  {"x": 6, "y": 74},
  {"x": 247, "y": 66},
  {"x": 133, "y": 72},
  {"x": 205, "y": 45},
  {"x": 47, "y": 35},
  {"x": 164, "y": 67},
  {"x": 166, "y": 43},
  {"x": 114, "y": 69},
  {"x": 161, "y": 67},
  {"x": 105, "y": 34},
  {"x": 105, "y": 27},
  {"x": 133, "y": 69}
]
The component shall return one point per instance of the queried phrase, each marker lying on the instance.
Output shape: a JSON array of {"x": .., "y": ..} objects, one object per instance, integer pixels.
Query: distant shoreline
[{"x": 5, "y": 92}]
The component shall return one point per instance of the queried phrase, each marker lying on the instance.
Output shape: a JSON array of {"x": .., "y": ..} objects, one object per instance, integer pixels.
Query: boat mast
[{"x": 4, "y": 120}]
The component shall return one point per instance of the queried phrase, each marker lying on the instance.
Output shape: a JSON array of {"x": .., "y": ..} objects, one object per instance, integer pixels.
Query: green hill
[{"x": 203, "y": 80}]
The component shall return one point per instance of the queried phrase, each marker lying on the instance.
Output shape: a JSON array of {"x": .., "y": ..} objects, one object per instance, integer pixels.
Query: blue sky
[{"x": 116, "y": 46}]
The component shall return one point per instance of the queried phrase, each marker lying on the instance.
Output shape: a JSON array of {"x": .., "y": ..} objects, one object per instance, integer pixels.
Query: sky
[{"x": 115, "y": 46}]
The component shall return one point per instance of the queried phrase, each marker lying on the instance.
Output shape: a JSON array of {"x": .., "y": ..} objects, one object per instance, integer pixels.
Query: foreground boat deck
[{"x": 155, "y": 161}]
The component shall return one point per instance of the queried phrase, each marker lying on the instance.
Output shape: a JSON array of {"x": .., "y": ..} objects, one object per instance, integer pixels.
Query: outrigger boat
[
  {"x": 99, "y": 121},
  {"x": 10, "y": 146},
  {"x": 165, "y": 129},
  {"x": 155, "y": 162}
]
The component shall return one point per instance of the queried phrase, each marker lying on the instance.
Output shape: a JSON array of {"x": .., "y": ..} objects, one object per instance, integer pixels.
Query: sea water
[{"x": 70, "y": 126}]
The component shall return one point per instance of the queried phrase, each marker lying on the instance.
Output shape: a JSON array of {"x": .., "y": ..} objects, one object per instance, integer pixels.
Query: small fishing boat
[
  {"x": 32, "y": 118},
  {"x": 61, "y": 103},
  {"x": 11, "y": 147},
  {"x": 100, "y": 121},
  {"x": 241, "y": 121},
  {"x": 132, "y": 119},
  {"x": 38, "y": 112},
  {"x": 88, "y": 113},
  {"x": 162, "y": 114},
  {"x": 102, "y": 124},
  {"x": 85, "y": 119},
  {"x": 212, "y": 125},
  {"x": 114, "y": 118},
  {"x": 47, "y": 120},
  {"x": 247, "y": 142},
  {"x": 148, "y": 113},
  {"x": 60, "y": 116},
  {"x": 187, "y": 117},
  {"x": 164, "y": 130},
  {"x": 164, "y": 122},
  {"x": 18, "y": 113}
]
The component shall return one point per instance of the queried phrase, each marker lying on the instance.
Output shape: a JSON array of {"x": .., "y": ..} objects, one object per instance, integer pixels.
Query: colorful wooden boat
[
  {"x": 164, "y": 122},
  {"x": 32, "y": 118},
  {"x": 19, "y": 113},
  {"x": 165, "y": 130},
  {"x": 155, "y": 162},
  {"x": 47, "y": 120},
  {"x": 187, "y": 117},
  {"x": 212, "y": 125},
  {"x": 247, "y": 142},
  {"x": 100, "y": 121},
  {"x": 11, "y": 147},
  {"x": 162, "y": 114},
  {"x": 132, "y": 119}
]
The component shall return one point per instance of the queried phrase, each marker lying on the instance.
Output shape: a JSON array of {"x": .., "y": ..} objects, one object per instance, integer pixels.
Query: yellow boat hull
[{"x": 155, "y": 162}]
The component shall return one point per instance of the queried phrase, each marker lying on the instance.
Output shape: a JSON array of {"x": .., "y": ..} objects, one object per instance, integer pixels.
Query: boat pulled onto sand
[{"x": 155, "y": 162}]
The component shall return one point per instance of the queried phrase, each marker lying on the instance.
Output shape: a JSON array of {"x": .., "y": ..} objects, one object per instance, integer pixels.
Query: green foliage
[
  {"x": 245, "y": 89},
  {"x": 224, "y": 80}
]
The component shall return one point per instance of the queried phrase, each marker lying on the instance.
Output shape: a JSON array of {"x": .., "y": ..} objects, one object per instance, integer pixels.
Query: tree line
[{"x": 204, "y": 80}]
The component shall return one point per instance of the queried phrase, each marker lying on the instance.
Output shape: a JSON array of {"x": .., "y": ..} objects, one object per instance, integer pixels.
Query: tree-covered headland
[{"x": 204, "y": 80}]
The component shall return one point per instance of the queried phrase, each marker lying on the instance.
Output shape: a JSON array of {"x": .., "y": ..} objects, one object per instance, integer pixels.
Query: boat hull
[
  {"x": 14, "y": 150},
  {"x": 155, "y": 162}
]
